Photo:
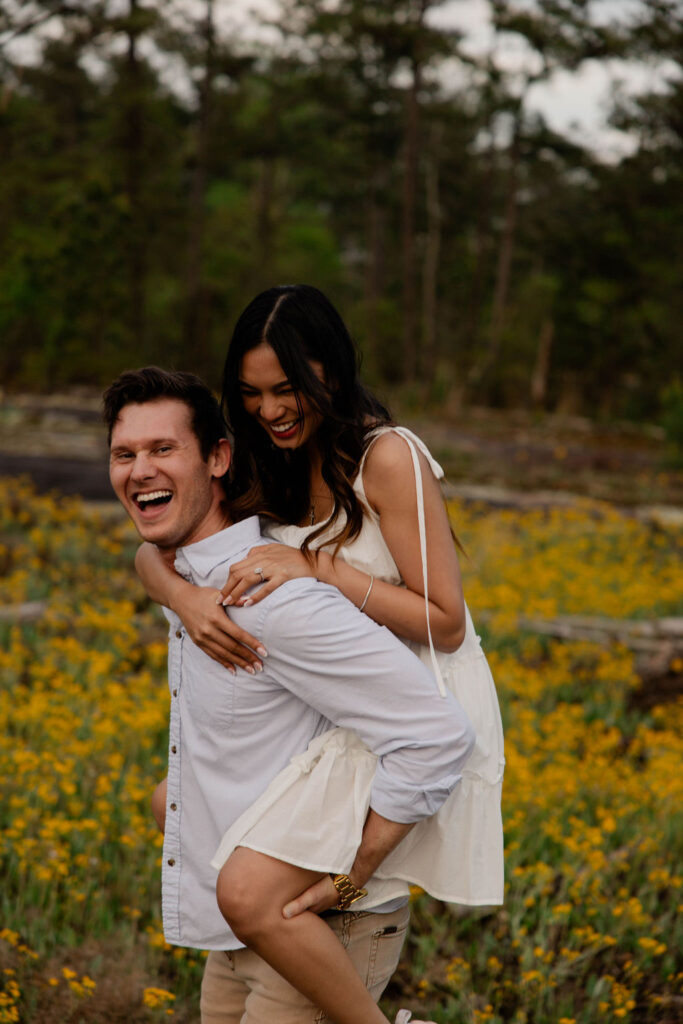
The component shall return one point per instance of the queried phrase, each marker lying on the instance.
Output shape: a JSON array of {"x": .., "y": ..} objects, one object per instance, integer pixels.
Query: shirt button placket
[{"x": 172, "y": 850}]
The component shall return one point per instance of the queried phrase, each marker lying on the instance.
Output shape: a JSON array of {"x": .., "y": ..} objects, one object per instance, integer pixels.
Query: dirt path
[
  {"x": 59, "y": 442},
  {"x": 84, "y": 477}
]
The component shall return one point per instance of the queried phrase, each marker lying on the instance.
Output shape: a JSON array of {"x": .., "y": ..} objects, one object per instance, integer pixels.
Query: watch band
[{"x": 348, "y": 892}]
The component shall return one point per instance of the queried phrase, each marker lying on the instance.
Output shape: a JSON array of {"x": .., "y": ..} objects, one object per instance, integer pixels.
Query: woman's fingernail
[
  {"x": 262, "y": 651},
  {"x": 287, "y": 913},
  {"x": 247, "y": 603},
  {"x": 231, "y": 669},
  {"x": 227, "y": 600},
  {"x": 249, "y": 669},
  {"x": 258, "y": 666}
]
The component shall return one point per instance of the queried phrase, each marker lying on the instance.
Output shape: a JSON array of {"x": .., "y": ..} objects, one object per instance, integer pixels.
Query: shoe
[{"x": 404, "y": 1017}]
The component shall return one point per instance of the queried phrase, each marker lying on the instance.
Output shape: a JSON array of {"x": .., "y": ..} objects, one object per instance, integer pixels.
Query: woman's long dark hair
[{"x": 301, "y": 325}]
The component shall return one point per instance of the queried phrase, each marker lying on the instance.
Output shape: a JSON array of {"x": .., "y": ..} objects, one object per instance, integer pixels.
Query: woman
[{"x": 358, "y": 503}]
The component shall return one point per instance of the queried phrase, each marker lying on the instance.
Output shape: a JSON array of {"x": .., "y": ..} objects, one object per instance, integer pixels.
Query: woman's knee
[
  {"x": 240, "y": 900},
  {"x": 252, "y": 889}
]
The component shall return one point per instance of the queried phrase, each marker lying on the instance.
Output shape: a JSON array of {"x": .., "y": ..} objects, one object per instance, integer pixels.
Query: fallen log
[
  {"x": 30, "y": 611},
  {"x": 647, "y": 636},
  {"x": 666, "y": 517}
]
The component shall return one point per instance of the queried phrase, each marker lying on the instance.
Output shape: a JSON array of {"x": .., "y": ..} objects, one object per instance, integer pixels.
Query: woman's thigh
[{"x": 253, "y": 884}]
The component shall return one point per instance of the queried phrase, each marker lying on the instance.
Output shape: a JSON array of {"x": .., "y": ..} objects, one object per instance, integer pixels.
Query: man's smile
[{"x": 152, "y": 502}]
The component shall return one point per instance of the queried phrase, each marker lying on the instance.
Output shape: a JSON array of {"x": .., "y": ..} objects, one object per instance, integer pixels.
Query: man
[{"x": 230, "y": 735}]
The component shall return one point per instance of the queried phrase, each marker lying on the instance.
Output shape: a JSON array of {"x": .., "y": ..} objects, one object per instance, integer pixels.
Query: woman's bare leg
[
  {"x": 252, "y": 889},
  {"x": 159, "y": 805}
]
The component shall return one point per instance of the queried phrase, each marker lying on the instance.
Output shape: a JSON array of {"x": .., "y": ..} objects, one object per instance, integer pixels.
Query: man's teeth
[
  {"x": 282, "y": 428},
  {"x": 142, "y": 499}
]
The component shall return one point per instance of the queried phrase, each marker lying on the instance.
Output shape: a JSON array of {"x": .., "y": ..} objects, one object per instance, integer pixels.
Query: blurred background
[{"x": 489, "y": 191}]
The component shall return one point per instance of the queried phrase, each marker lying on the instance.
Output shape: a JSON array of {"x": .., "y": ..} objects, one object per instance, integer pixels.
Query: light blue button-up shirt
[{"x": 328, "y": 665}]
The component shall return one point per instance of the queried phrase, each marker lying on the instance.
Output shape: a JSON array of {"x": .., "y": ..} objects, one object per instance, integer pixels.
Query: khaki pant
[{"x": 240, "y": 988}]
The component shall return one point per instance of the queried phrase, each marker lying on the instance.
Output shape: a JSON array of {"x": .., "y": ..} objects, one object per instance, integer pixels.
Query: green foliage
[
  {"x": 672, "y": 421},
  {"x": 135, "y": 223}
]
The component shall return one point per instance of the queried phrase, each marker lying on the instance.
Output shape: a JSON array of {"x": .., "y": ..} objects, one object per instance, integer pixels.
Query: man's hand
[{"x": 320, "y": 896}]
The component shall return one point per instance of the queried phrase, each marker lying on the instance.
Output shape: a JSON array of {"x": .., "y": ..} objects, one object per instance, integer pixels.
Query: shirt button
[
  {"x": 174, "y": 749},
  {"x": 174, "y": 807},
  {"x": 178, "y": 634},
  {"x": 171, "y": 861}
]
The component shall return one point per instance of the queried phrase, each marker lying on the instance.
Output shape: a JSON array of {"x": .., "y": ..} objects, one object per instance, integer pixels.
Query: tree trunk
[
  {"x": 482, "y": 245},
  {"x": 410, "y": 354},
  {"x": 503, "y": 271},
  {"x": 541, "y": 371},
  {"x": 432, "y": 253},
  {"x": 376, "y": 264},
  {"x": 137, "y": 247},
  {"x": 196, "y": 327},
  {"x": 411, "y": 146},
  {"x": 265, "y": 223}
]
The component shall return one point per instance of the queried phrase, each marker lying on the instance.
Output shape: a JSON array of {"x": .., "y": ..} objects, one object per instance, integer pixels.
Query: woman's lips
[{"x": 290, "y": 431}]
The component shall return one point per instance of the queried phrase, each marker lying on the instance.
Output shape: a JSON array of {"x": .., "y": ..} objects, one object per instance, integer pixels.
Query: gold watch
[{"x": 348, "y": 892}]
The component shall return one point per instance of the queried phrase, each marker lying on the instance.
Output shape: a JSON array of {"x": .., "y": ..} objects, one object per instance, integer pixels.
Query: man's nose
[{"x": 143, "y": 467}]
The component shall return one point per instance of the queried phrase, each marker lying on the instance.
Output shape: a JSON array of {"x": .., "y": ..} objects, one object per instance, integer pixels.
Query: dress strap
[
  {"x": 408, "y": 436},
  {"x": 413, "y": 443}
]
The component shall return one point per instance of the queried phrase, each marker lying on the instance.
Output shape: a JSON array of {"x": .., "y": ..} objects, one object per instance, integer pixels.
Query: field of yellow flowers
[{"x": 593, "y": 797}]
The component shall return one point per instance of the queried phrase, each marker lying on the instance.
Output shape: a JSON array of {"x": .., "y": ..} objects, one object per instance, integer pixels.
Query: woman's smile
[
  {"x": 284, "y": 413},
  {"x": 285, "y": 430}
]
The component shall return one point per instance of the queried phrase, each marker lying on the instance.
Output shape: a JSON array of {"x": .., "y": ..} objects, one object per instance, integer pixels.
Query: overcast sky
[{"x": 575, "y": 103}]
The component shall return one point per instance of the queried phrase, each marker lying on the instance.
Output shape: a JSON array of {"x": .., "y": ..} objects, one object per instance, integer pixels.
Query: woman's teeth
[{"x": 283, "y": 428}]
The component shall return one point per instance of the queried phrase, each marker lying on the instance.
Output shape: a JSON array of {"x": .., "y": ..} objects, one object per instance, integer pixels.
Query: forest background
[
  {"x": 514, "y": 291},
  {"x": 158, "y": 168}
]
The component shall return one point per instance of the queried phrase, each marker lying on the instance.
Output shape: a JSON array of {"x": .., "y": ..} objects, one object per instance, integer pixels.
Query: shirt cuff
[{"x": 407, "y": 804}]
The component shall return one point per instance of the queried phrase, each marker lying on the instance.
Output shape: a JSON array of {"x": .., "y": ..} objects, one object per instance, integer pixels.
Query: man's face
[{"x": 157, "y": 471}]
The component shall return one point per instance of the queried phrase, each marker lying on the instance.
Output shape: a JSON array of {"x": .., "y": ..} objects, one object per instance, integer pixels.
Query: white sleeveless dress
[{"x": 313, "y": 812}]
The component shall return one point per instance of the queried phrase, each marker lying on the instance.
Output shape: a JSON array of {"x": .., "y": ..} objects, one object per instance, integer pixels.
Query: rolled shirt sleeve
[{"x": 360, "y": 676}]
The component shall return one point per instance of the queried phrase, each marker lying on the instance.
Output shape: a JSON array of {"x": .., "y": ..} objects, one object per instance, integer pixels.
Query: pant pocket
[{"x": 385, "y": 950}]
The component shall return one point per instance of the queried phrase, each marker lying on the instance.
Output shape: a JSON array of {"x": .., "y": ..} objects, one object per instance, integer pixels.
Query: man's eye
[{"x": 163, "y": 448}]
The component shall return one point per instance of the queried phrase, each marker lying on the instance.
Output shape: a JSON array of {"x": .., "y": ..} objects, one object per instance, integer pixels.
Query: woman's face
[{"x": 272, "y": 401}]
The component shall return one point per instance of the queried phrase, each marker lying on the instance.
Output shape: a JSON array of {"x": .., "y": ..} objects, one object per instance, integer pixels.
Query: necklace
[{"x": 312, "y": 509}]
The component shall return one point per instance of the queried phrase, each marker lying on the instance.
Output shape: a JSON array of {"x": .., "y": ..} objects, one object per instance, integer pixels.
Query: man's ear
[{"x": 220, "y": 458}]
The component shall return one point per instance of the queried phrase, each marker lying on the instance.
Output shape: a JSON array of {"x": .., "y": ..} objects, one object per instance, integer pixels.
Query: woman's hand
[
  {"x": 277, "y": 564},
  {"x": 204, "y": 618},
  {"x": 320, "y": 896}
]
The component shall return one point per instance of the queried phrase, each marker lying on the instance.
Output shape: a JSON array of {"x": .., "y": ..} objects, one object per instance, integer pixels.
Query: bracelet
[
  {"x": 365, "y": 599},
  {"x": 348, "y": 892}
]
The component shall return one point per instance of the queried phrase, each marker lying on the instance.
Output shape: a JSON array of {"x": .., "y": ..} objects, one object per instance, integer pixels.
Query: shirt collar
[{"x": 220, "y": 547}]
